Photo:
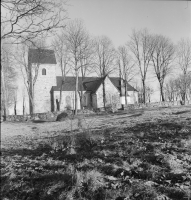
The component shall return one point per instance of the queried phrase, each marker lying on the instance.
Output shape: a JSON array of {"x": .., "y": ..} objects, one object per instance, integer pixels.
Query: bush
[
  {"x": 62, "y": 116},
  {"x": 87, "y": 185},
  {"x": 84, "y": 142}
]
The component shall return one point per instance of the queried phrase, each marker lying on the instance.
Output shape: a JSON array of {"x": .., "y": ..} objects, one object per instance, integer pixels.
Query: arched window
[{"x": 43, "y": 71}]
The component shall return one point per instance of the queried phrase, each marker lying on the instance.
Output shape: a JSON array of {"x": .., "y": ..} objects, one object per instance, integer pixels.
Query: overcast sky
[{"x": 117, "y": 18}]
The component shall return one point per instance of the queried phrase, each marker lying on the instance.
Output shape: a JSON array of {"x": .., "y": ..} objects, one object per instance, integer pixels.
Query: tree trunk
[
  {"x": 161, "y": 92},
  {"x": 104, "y": 96},
  {"x": 81, "y": 93},
  {"x": 5, "y": 113},
  {"x": 184, "y": 92},
  {"x": 144, "y": 91},
  {"x": 60, "y": 100},
  {"x": 4, "y": 94},
  {"x": 31, "y": 102},
  {"x": 125, "y": 93},
  {"x": 31, "y": 91},
  {"x": 31, "y": 107},
  {"x": 183, "y": 98},
  {"x": 23, "y": 106},
  {"x": 15, "y": 108},
  {"x": 62, "y": 84},
  {"x": 81, "y": 99},
  {"x": 121, "y": 85},
  {"x": 76, "y": 94}
]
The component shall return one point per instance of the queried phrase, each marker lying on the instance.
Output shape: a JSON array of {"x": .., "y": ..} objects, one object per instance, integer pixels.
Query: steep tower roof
[{"x": 41, "y": 56}]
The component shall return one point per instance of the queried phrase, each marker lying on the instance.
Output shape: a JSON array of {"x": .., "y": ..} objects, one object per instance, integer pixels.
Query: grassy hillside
[{"x": 138, "y": 154}]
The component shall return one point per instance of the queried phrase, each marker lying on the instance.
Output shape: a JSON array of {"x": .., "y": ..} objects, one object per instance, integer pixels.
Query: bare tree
[
  {"x": 126, "y": 67},
  {"x": 86, "y": 63},
  {"x": 24, "y": 100},
  {"x": 171, "y": 91},
  {"x": 189, "y": 88},
  {"x": 149, "y": 92},
  {"x": 27, "y": 19},
  {"x": 162, "y": 58},
  {"x": 8, "y": 78},
  {"x": 142, "y": 47},
  {"x": 62, "y": 54},
  {"x": 15, "y": 101},
  {"x": 181, "y": 87},
  {"x": 76, "y": 41},
  {"x": 183, "y": 58},
  {"x": 105, "y": 55},
  {"x": 28, "y": 69},
  {"x": 183, "y": 55}
]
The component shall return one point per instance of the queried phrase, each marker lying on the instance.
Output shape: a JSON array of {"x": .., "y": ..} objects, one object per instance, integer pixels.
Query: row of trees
[
  {"x": 179, "y": 88},
  {"x": 81, "y": 54},
  {"x": 78, "y": 53},
  {"x": 144, "y": 51}
]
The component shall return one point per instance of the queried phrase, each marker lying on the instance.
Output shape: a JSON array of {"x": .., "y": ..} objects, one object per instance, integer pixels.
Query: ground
[{"x": 136, "y": 154}]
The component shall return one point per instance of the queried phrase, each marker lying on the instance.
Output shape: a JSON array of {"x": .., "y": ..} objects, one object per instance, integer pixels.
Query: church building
[{"x": 47, "y": 87}]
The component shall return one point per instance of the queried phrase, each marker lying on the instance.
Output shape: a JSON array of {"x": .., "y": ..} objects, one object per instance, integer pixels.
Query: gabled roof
[
  {"x": 90, "y": 84},
  {"x": 70, "y": 83},
  {"x": 116, "y": 82},
  {"x": 41, "y": 56},
  {"x": 93, "y": 85}
]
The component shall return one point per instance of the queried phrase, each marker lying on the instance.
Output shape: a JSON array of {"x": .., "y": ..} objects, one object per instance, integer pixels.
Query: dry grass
[{"x": 141, "y": 154}]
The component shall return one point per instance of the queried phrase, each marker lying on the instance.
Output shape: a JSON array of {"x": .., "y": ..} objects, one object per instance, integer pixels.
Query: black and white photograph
[{"x": 95, "y": 100}]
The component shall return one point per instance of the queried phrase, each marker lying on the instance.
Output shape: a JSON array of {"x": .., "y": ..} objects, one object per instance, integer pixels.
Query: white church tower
[{"x": 44, "y": 61}]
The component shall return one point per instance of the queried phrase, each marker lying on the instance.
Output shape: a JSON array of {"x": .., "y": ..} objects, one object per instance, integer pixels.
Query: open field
[{"x": 135, "y": 155}]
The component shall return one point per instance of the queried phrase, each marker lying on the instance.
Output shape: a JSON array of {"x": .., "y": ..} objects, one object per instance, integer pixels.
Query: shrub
[
  {"x": 86, "y": 141},
  {"x": 62, "y": 116},
  {"x": 88, "y": 185}
]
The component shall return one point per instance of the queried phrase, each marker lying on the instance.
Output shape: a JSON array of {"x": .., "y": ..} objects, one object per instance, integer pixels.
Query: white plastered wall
[
  {"x": 110, "y": 90},
  {"x": 43, "y": 85},
  {"x": 68, "y": 99}
]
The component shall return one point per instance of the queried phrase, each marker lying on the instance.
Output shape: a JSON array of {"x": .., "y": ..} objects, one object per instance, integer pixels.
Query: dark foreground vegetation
[{"x": 148, "y": 156}]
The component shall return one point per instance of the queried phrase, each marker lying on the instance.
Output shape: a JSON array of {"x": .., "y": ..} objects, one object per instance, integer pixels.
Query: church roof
[
  {"x": 90, "y": 84},
  {"x": 70, "y": 83},
  {"x": 93, "y": 85},
  {"x": 116, "y": 82},
  {"x": 41, "y": 56}
]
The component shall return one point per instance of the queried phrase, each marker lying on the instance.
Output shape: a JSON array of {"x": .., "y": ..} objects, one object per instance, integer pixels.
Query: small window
[{"x": 43, "y": 71}]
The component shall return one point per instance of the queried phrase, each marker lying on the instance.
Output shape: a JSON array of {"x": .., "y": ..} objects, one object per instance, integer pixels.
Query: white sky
[{"x": 117, "y": 18}]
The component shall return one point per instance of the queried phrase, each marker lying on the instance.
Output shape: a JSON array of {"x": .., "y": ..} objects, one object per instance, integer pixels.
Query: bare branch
[
  {"x": 162, "y": 57},
  {"x": 26, "y": 19},
  {"x": 142, "y": 46}
]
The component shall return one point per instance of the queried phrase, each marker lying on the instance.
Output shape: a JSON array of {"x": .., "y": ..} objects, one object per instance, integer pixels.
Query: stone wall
[
  {"x": 162, "y": 104},
  {"x": 49, "y": 116},
  {"x": 36, "y": 116}
]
